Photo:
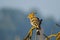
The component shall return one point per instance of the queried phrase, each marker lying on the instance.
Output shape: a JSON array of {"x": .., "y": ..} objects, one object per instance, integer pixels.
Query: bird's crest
[{"x": 31, "y": 15}]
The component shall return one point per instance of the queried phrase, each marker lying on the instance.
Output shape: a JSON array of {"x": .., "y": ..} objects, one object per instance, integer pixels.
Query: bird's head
[{"x": 31, "y": 15}]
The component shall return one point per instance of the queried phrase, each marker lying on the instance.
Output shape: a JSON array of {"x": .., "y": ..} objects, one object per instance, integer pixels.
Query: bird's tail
[{"x": 38, "y": 32}]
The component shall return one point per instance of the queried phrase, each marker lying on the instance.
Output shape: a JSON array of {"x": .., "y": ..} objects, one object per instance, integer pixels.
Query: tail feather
[{"x": 38, "y": 32}]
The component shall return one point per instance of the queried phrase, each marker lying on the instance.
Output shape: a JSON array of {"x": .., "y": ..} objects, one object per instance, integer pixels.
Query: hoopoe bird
[{"x": 35, "y": 22}]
